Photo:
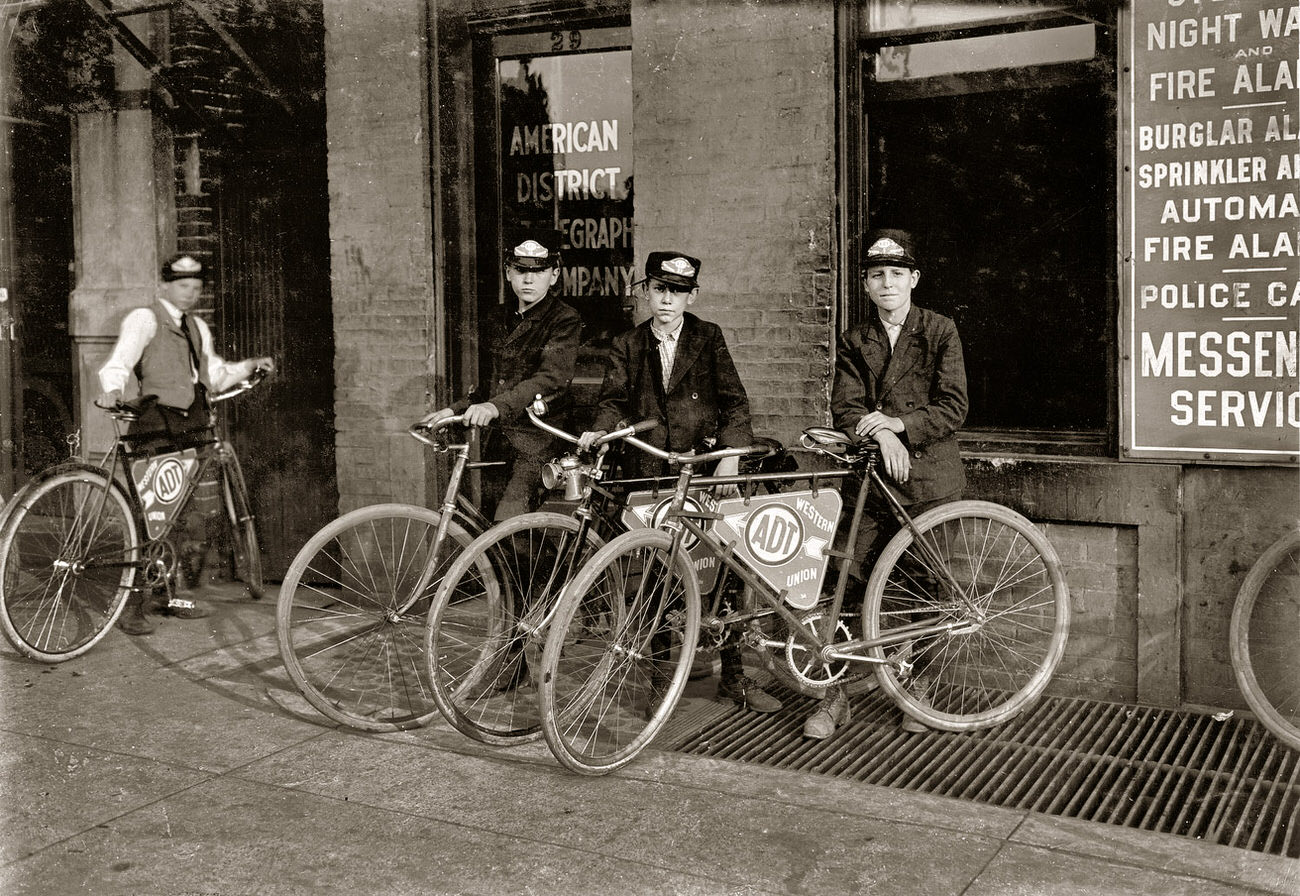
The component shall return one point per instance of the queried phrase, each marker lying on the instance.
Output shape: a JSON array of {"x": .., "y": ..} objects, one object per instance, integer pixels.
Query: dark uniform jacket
[
  {"x": 923, "y": 383},
  {"x": 530, "y": 355},
  {"x": 703, "y": 399}
]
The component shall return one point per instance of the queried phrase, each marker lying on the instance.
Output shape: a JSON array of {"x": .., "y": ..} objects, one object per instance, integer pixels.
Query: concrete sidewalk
[{"x": 161, "y": 765}]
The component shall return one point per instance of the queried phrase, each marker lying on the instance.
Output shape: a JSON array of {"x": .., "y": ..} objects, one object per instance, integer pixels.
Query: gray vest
[{"x": 164, "y": 365}]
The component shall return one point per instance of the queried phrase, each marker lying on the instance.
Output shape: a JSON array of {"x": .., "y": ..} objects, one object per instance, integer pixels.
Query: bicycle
[
  {"x": 1262, "y": 638},
  {"x": 971, "y": 592},
  {"x": 355, "y": 598},
  {"x": 71, "y": 544},
  {"x": 495, "y": 601}
]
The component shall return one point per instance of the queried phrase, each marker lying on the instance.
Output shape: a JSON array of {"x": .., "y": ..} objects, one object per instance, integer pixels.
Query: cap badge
[
  {"x": 886, "y": 247},
  {"x": 531, "y": 249},
  {"x": 186, "y": 265},
  {"x": 679, "y": 266}
]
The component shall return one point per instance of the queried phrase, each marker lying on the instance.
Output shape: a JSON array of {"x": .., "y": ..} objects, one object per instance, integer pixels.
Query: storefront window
[
  {"x": 995, "y": 142},
  {"x": 564, "y": 106}
]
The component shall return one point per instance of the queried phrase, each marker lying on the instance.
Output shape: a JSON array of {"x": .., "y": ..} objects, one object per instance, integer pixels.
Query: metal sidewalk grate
[{"x": 1227, "y": 782}]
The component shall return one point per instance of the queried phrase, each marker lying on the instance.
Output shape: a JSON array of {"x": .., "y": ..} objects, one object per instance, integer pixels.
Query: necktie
[
  {"x": 194, "y": 355},
  {"x": 892, "y": 331}
]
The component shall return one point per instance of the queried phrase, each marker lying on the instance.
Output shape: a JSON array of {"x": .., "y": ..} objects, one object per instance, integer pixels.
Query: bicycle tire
[
  {"x": 487, "y": 622},
  {"x": 598, "y": 662},
  {"x": 999, "y": 662},
  {"x": 54, "y": 605},
  {"x": 342, "y": 642},
  {"x": 243, "y": 526},
  {"x": 1262, "y": 636}
]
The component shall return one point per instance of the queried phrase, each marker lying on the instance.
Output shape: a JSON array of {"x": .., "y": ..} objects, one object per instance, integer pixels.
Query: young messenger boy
[
  {"x": 533, "y": 351},
  {"x": 170, "y": 353},
  {"x": 900, "y": 380},
  {"x": 676, "y": 367}
]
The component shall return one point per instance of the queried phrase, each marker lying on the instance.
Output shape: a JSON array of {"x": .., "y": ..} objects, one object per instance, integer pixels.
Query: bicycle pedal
[{"x": 180, "y": 603}]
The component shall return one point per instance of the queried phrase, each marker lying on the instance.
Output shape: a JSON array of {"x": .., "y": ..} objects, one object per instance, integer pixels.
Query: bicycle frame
[
  {"x": 115, "y": 465},
  {"x": 681, "y": 522},
  {"x": 451, "y": 501}
]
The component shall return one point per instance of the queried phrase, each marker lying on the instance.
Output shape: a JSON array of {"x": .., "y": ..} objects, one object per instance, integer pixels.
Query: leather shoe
[
  {"x": 183, "y": 605},
  {"x": 658, "y": 691},
  {"x": 744, "y": 692},
  {"x": 510, "y": 675},
  {"x": 833, "y": 712},
  {"x": 133, "y": 620}
]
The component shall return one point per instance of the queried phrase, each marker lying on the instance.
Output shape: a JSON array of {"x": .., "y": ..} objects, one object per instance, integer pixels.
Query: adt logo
[
  {"x": 660, "y": 513},
  {"x": 774, "y": 534},
  {"x": 169, "y": 480}
]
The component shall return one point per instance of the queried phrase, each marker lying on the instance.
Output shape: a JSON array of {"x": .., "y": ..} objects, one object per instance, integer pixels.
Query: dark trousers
[
  {"x": 515, "y": 487},
  {"x": 159, "y": 429},
  {"x": 877, "y": 526}
]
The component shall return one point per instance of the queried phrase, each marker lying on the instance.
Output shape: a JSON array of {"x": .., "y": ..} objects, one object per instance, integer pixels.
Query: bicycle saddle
[{"x": 826, "y": 438}]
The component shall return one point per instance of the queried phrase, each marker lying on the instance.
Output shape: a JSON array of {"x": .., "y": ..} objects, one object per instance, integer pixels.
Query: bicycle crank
[
  {"x": 805, "y": 664},
  {"x": 159, "y": 563}
]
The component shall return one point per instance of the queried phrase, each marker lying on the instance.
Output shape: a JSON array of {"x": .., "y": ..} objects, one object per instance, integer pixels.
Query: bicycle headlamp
[{"x": 569, "y": 472}]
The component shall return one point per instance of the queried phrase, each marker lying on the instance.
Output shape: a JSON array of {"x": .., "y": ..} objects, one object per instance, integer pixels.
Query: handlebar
[
  {"x": 428, "y": 432},
  {"x": 244, "y": 385},
  {"x": 538, "y": 408},
  {"x": 838, "y": 445},
  {"x": 131, "y": 410}
]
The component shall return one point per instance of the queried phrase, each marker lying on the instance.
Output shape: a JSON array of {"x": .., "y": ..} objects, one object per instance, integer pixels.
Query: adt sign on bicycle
[
  {"x": 647, "y": 510},
  {"x": 161, "y": 483},
  {"x": 784, "y": 536}
]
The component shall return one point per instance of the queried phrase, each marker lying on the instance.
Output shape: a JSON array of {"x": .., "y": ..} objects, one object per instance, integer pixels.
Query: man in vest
[{"x": 170, "y": 353}]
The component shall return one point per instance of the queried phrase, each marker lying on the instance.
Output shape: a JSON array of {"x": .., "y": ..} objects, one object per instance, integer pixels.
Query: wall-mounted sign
[{"x": 1210, "y": 318}]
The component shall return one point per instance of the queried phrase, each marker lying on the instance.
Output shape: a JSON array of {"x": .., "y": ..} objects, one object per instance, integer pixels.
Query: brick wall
[
  {"x": 1100, "y": 562},
  {"x": 734, "y": 143},
  {"x": 1232, "y": 516},
  {"x": 381, "y": 249}
]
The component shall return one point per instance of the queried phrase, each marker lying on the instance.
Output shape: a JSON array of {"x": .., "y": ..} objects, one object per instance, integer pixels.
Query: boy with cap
[
  {"x": 900, "y": 381},
  {"x": 533, "y": 351},
  {"x": 170, "y": 353},
  {"x": 676, "y": 367}
]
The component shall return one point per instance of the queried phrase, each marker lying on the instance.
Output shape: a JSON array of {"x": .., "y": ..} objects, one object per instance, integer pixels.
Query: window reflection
[
  {"x": 980, "y": 54},
  {"x": 898, "y": 15}
]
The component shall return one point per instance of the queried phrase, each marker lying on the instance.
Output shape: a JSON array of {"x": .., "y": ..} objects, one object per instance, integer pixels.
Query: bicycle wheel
[
  {"x": 1262, "y": 637},
  {"x": 243, "y": 528},
  {"x": 990, "y": 573},
  {"x": 610, "y": 672},
  {"x": 486, "y": 627},
  {"x": 67, "y": 563},
  {"x": 345, "y": 639}
]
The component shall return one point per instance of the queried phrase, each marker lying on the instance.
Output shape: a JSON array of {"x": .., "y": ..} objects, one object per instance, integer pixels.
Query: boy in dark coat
[
  {"x": 533, "y": 351},
  {"x": 900, "y": 380},
  {"x": 676, "y": 367}
]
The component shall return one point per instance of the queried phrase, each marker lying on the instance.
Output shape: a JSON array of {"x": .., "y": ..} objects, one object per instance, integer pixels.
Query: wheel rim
[
  {"x": 1005, "y": 591},
  {"x": 608, "y": 646},
  {"x": 64, "y": 582},
  {"x": 489, "y": 621},
  {"x": 346, "y": 644},
  {"x": 1264, "y": 653}
]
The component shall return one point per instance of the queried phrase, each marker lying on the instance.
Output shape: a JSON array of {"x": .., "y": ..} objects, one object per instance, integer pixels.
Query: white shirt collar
[
  {"x": 172, "y": 310},
  {"x": 670, "y": 335}
]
